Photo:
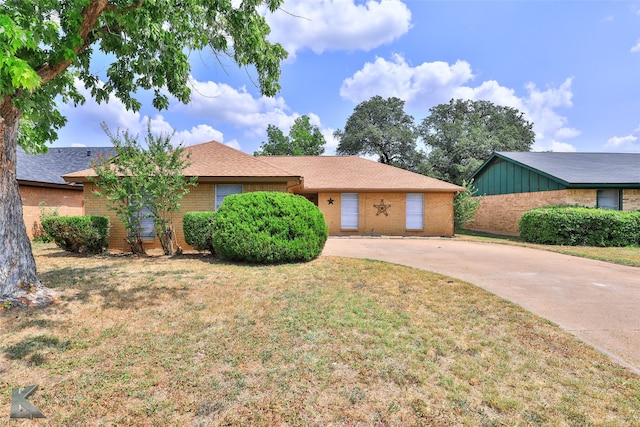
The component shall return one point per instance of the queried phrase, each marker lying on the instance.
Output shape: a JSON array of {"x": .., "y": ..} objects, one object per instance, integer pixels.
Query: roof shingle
[
  {"x": 582, "y": 168},
  {"x": 349, "y": 173}
]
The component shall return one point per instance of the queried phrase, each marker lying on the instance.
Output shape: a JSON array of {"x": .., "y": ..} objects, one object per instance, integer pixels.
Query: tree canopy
[
  {"x": 380, "y": 127},
  {"x": 47, "y": 48},
  {"x": 304, "y": 139},
  {"x": 461, "y": 135}
]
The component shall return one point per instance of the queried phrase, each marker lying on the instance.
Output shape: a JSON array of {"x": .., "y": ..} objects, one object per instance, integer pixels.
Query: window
[
  {"x": 349, "y": 210},
  {"x": 415, "y": 211},
  {"x": 146, "y": 222},
  {"x": 224, "y": 190},
  {"x": 609, "y": 199}
]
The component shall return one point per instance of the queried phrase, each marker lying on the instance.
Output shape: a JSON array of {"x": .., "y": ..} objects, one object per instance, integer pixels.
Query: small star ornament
[
  {"x": 330, "y": 201},
  {"x": 382, "y": 208}
]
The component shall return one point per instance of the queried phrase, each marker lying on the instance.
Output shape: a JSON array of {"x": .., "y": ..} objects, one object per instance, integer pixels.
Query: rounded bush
[
  {"x": 198, "y": 228},
  {"x": 79, "y": 234},
  {"x": 579, "y": 226},
  {"x": 266, "y": 227}
]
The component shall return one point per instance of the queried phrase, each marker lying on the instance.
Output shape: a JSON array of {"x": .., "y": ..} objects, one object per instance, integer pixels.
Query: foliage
[
  {"x": 139, "y": 183},
  {"x": 380, "y": 127},
  {"x": 46, "y": 55},
  {"x": 38, "y": 233},
  {"x": 48, "y": 46},
  {"x": 82, "y": 234},
  {"x": 304, "y": 139},
  {"x": 465, "y": 205},
  {"x": 265, "y": 227},
  {"x": 461, "y": 135},
  {"x": 572, "y": 225},
  {"x": 198, "y": 228}
]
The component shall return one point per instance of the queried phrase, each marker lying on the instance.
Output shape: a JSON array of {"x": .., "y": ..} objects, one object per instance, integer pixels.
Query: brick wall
[
  {"x": 501, "y": 213},
  {"x": 631, "y": 200},
  {"x": 200, "y": 198},
  {"x": 438, "y": 208},
  {"x": 67, "y": 202}
]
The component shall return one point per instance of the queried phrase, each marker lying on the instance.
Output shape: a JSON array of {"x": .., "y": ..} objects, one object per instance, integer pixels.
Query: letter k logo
[{"x": 21, "y": 407}]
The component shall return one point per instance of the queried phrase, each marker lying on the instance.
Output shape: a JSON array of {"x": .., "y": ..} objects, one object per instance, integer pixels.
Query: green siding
[{"x": 503, "y": 177}]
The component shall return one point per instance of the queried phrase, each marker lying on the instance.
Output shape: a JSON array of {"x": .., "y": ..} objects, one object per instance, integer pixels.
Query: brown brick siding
[
  {"x": 501, "y": 213},
  {"x": 200, "y": 198},
  {"x": 67, "y": 202},
  {"x": 631, "y": 200},
  {"x": 438, "y": 221}
]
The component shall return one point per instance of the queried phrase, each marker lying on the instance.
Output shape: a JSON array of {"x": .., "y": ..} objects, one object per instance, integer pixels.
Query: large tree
[
  {"x": 304, "y": 139},
  {"x": 461, "y": 135},
  {"x": 380, "y": 127},
  {"x": 46, "y": 47}
]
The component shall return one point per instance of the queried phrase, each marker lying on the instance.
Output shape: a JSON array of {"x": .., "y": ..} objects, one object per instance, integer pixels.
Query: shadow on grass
[
  {"x": 91, "y": 281},
  {"x": 29, "y": 349}
]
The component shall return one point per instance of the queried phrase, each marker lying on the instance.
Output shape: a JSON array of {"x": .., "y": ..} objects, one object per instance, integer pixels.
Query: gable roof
[
  {"x": 576, "y": 169},
  {"x": 47, "y": 169},
  {"x": 214, "y": 160},
  {"x": 350, "y": 173}
]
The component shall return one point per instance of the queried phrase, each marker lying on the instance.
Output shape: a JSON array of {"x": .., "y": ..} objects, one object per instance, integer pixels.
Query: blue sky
[{"x": 572, "y": 67}]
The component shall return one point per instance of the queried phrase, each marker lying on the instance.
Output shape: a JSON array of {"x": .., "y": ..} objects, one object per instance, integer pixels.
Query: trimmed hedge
[
  {"x": 79, "y": 234},
  {"x": 198, "y": 228},
  {"x": 578, "y": 226},
  {"x": 268, "y": 227}
]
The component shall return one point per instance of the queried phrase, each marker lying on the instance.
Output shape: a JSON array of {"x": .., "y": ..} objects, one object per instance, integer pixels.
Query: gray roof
[
  {"x": 582, "y": 168},
  {"x": 47, "y": 169}
]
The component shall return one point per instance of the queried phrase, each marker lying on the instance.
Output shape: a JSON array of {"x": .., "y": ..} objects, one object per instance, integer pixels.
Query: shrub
[
  {"x": 268, "y": 228},
  {"x": 79, "y": 234},
  {"x": 572, "y": 225},
  {"x": 38, "y": 233},
  {"x": 465, "y": 205},
  {"x": 198, "y": 228}
]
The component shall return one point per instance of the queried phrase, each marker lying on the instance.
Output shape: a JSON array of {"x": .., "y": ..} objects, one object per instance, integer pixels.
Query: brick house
[
  {"x": 356, "y": 196},
  {"x": 40, "y": 181},
  {"x": 514, "y": 182}
]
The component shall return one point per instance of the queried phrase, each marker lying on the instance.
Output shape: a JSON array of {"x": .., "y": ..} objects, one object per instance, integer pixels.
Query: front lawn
[
  {"x": 629, "y": 255},
  {"x": 194, "y": 341}
]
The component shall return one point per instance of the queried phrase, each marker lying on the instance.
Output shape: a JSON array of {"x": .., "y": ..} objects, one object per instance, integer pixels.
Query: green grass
[
  {"x": 190, "y": 340},
  {"x": 629, "y": 255}
]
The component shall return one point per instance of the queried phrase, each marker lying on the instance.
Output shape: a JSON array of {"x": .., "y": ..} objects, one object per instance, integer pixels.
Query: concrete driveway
[{"x": 596, "y": 301}]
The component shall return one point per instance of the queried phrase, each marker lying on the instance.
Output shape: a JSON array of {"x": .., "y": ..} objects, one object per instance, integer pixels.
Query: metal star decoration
[
  {"x": 330, "y": 201},
  {"x": 382, "y": 208}
]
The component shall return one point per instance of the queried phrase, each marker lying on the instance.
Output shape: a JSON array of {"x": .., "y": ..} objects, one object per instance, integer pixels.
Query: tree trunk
[{"x": 19, "y": 283}]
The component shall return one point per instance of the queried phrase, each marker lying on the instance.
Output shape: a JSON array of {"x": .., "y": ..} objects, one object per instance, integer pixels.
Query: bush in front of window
[
  {"x": 198, "y": 228},
  {"x": 579, "y": 226},
  {"x": 80, "y": 234},
  {"x": 264, "y": 227}
]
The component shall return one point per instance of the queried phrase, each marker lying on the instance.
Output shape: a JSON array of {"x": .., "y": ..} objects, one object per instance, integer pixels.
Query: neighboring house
[
  {"x": 512, "y": 183},
  {"x": 357, "y": 196},
  {"x": 40, "y": 181}
]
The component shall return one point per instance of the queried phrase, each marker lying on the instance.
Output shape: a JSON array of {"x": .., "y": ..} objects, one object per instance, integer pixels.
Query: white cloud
[
  {"x": 331, "y": 141},
  {"x": 432, "y": 83},
  {"x": 429, "y": 83},
  {"x": 623, "y": 144},
  {"x": 636, "y": 47},
  {"x": 88, "y": 117},
  {"x": 221, "y": 103},
  {"x": 338, "y": 25},
  {"x": 558, "y": 146}
]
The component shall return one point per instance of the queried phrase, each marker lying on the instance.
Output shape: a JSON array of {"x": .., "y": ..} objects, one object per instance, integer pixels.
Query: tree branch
[{"x": 90, "y": 16}]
